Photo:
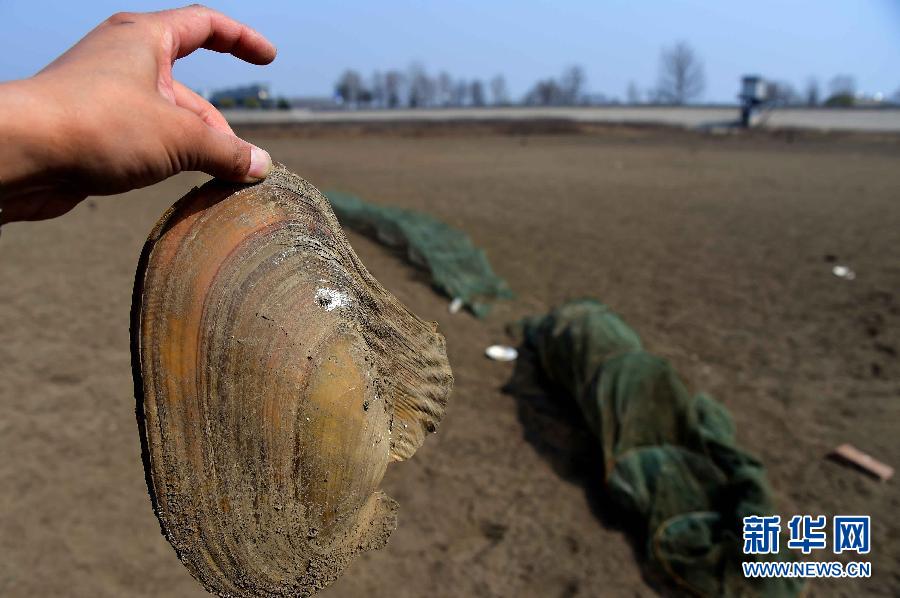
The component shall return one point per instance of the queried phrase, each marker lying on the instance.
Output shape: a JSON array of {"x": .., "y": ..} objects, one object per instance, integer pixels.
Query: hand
[{"x": 107, "y": 116}]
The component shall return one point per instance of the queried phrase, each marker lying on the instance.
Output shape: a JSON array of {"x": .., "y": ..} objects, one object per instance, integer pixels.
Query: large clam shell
[{"x": 275, "y": 380}]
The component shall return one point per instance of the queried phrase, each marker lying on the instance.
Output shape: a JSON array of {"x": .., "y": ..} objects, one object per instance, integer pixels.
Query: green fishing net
[
  {"x": 669, "y": 458},
  {"x": 457, "y": 268}
]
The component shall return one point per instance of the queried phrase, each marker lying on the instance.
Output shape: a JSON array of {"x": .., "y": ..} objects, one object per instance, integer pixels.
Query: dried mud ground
[{"x": 715, "y": 249}]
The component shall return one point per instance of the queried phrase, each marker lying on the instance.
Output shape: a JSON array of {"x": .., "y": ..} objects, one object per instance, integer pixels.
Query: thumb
[{"x": 225, "y": 156}]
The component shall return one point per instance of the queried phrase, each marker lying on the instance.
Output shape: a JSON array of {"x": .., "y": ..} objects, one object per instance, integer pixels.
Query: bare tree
[
  {"x": 681, "y": 77},
  {"x": 393, "y": 87},
  {"x": 444, "y": 89},
  {"x": 843, "y": 92},
  {"x": 633, "y": 94},
  {"x": 421, "y": 87},
  {"x": 545, "y": 93},
  {"x": 477, "y": 91},
  {"x": 349, "y": 87},
  {"x": 842, "y": 85},
  {"x": 498, "y": 91},
  {"x": 812, "y": 92},
  {"x": 460, "y": 93},
  {"x": 572, "y": 84},
  {"x": 781, "y": 93},
  {"x": 379, "y": 90}
]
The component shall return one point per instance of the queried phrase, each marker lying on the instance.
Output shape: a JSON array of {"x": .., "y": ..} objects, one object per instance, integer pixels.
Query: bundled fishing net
[
  {"x": 458, "y": 268},
  {"x": 669, "y": 458}
]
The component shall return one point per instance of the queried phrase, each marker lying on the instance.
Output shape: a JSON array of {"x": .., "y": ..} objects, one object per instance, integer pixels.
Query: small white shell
[
  {"x": 843, "y": 272},
  {"x": 501, "y": 353},
  {"x": 455, "y": 305}
]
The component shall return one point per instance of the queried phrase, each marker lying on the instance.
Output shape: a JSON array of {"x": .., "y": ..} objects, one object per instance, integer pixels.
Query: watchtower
[{"x": 754, "y": 92}]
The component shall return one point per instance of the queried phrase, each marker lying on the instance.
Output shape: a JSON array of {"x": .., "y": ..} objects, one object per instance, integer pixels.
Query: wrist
[
  {"x": 30, "y": 134},
  {"x": 30, "y": 151}
]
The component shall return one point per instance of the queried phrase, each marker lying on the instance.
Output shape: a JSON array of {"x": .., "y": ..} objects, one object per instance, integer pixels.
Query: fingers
[
  {"x": 220, "y": 154},
  {"x": 196, "y": 27},
  {"x": 190, "y": 100}
]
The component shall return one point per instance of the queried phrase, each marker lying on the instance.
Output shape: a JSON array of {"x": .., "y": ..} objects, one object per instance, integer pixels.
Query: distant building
[
  {"x": 250, "y": 96},
  {"x": 754, "y": 89},
  {"x": 754, "y": 93}
]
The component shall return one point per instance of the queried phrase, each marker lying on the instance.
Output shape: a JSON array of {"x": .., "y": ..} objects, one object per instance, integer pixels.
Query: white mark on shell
[{"x": 331, "y": 298}]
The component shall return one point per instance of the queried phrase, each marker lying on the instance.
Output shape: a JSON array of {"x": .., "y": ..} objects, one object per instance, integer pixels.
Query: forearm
[{"x": 30, "y": 148}]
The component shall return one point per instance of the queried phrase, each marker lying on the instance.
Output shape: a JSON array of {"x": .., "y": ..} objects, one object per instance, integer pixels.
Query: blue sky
[{"x": 616, "y": 41}]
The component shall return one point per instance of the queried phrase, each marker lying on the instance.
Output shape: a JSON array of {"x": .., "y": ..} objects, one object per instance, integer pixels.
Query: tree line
[
  {"x": 417, "y": 88},
  {"x": 839, "y": 92},
  {"x": 681, "y": 80}
]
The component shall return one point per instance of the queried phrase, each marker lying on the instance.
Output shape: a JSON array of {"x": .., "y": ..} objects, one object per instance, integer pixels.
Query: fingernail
[{"x": 260, "y": 164}]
